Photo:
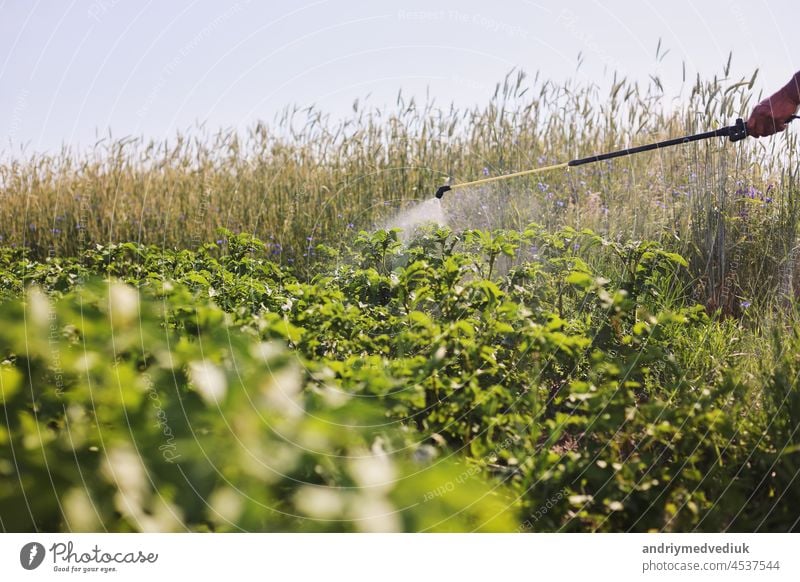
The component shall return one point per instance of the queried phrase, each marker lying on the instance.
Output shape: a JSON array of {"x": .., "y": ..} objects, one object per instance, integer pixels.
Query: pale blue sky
[{"x": 69, "y": 69}]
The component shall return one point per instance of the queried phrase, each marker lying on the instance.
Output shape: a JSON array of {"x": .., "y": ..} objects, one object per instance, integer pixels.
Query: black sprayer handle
[
  {"x": 733, "y": 132},
  {"x": 738, "y": 131}
]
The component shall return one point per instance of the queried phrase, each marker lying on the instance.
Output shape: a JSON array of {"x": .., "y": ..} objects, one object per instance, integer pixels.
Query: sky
[{"x": 71, "y": 71}]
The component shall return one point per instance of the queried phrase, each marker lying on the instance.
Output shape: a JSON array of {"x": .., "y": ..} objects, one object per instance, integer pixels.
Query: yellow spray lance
[{"x": 735, "y": 132}]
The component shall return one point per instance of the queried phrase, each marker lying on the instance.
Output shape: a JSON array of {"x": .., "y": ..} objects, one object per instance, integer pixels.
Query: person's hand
[{"x": 770, "y": 116}]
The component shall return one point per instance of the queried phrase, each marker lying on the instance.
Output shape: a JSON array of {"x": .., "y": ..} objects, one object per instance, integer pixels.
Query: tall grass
[{"x": 305, "y": 178}]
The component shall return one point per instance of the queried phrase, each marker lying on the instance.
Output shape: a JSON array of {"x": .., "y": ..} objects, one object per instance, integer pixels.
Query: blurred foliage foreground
[{"x": 478, "y": 381}]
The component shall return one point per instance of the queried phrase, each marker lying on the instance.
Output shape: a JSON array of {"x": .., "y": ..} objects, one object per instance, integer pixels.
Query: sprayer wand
[{"x": 735, "y": 132}]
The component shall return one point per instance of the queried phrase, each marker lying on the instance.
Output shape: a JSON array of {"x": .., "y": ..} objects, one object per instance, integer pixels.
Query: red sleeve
[{"x": 792, "y": 88}]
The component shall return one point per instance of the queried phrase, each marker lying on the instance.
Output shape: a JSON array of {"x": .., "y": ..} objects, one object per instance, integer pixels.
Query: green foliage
[
  {"x": 122, "y": 416},
  {"x": 503, "y": 380}
]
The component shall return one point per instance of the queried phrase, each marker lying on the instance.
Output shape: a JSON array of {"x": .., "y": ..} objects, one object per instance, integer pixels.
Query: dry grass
[{"x": 305, "y": 179}]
